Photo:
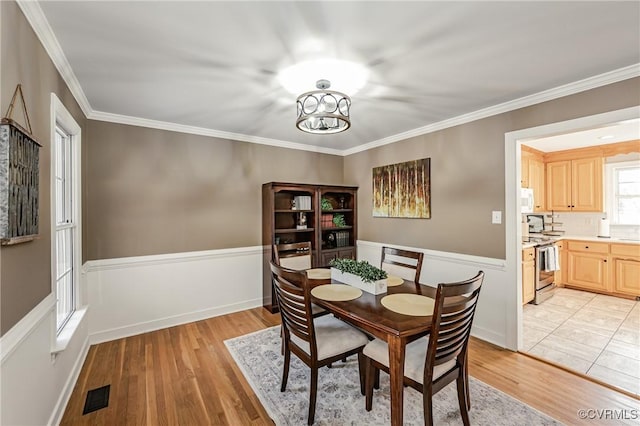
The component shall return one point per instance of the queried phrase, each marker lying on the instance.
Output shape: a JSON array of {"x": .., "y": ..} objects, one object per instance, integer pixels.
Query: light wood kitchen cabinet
[
  {"x": 524, "y": 171},
  {"x": 575, "y": 185},
  {"x": 625, "y": 269},
  {"x": 533, "y": 175},
  {"x": 561, "y": 274},
  {"x": 528, "y": 275},
  {"x": 588, "y": 265},
  {"x": 536, "y": 182}
]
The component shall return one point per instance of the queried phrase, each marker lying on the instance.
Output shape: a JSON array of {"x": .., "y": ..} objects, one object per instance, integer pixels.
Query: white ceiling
[
  {"x": 213, "y": 65},
  {"x": 614, "y": 133}
]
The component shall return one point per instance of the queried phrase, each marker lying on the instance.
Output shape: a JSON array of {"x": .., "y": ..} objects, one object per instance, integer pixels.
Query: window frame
[
  {"x": 611, "y": 194},
  {"x": 61, "y": 118}
]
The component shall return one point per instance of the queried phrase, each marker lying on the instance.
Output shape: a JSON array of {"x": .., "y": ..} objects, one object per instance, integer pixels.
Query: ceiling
[
  {"x": 628, "y": 130},
  {"x": 212, "y": 66}
]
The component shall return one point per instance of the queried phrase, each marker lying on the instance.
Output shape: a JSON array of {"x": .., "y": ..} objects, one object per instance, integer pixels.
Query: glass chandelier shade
[{"x": 323, "y": 111}]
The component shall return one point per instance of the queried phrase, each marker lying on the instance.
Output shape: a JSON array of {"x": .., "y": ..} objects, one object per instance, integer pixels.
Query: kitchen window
[{"x": 623, "y": 192}]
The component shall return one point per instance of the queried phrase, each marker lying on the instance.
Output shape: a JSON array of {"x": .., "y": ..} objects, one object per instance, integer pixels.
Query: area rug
[{"x": 339, "y": 401}]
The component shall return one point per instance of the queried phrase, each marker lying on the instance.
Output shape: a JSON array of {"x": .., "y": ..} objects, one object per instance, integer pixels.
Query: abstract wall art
[{"x": 403, "y": 190}]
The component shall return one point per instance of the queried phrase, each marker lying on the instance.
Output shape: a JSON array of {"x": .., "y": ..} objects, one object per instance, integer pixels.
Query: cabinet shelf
[
  {"x": 336, "y": 211},
  {"x": 293, "y": 211},
  {"x": 335, "y": 249},
  {"x": 287, "y": 231},
  {"x": 336, "y": 228}
]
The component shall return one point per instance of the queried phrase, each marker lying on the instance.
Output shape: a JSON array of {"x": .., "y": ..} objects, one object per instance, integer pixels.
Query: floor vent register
[{"x": 96, "y": 399}]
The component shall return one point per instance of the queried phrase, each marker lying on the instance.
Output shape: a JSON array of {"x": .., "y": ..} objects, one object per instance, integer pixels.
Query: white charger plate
[
  {"x": 336, "y": 292},
  {"x": 409, "y": 304}
]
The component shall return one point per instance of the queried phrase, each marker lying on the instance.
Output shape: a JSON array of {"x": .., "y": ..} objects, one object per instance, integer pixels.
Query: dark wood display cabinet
[{"x": 324, "y": 215}]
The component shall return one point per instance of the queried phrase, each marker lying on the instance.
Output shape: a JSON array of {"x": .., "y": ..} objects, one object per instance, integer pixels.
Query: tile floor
[{"x": 593, "y": 334}]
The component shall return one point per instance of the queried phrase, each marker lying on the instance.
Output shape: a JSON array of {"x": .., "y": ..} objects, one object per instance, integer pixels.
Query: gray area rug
[{"x": 339, "y": 400}]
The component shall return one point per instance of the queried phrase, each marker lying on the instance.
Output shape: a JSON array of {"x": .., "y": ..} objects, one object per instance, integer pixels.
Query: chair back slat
[
  {"x": 403, "y": 263},
  {"x": 292, "y": 295},
  {"x": 452, "y": 320},
  {"x": 296, "y": 256}
]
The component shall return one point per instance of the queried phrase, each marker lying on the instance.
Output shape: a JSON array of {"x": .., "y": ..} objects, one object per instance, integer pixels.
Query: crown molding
[
  {"x": 35, "y": 16},
  {"x": 536, "y": 98},
  {"x": 202, "y": 131}
]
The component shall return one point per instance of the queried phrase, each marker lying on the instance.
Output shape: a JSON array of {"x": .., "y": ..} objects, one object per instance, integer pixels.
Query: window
[
  {"x": 66, "y": 249},
  {"x": 65, "y": 227},
  {"x": 624, "y": 192}
]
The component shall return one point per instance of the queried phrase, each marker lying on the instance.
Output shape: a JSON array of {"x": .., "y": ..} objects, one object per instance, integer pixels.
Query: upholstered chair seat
[
  {"x": 333, "y": 337},
  {"x": 414, "y": 358}
]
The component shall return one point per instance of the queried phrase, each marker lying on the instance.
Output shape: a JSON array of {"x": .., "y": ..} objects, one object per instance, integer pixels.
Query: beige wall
[
  {"x": 468, "y": 174},
  {"x": 149, "y": 191},
  {"x": 25, "y": 275},
  {"x": 152, "y": 191}
]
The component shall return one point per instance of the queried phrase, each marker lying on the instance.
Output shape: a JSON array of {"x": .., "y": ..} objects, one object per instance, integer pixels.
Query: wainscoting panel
[
  {"x": 139, "y": 294},
  {"x": 490, "y": 322},
  {"x": 36, "y": 385}
]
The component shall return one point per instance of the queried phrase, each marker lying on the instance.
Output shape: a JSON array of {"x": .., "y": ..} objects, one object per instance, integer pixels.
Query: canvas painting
[{"x": 403, "y": 190}]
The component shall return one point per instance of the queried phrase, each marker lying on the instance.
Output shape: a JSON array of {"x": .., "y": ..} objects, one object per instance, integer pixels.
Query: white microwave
[{"x": 526, "y": 200}]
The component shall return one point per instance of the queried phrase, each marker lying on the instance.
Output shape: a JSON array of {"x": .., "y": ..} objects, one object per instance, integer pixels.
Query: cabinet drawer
[
  {"x": 528, "y": 254},
  {"x": 626, "y": 249},
  {"x": 588, "y": 246}
]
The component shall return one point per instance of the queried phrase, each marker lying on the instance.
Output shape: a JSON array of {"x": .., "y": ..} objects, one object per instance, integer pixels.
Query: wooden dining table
[{"x": 367, "y": 313}]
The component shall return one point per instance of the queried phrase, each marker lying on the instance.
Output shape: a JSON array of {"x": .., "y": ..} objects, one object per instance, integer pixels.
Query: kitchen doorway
[{"x": 517, "y": 316}]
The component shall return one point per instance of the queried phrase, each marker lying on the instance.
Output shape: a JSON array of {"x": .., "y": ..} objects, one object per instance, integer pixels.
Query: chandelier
[{"x": 323, "y": 111}]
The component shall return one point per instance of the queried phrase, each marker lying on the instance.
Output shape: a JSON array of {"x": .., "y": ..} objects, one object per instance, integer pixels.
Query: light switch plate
[{"x": 496, "y": 217}]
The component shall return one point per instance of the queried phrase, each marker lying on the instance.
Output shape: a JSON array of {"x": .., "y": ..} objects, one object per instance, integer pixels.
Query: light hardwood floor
[{"x": 184, "y": 376}]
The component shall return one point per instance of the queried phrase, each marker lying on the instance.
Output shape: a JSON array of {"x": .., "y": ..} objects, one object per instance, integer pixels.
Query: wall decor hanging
[
  {"x": 403, "y": 190},
  {"x": 19, "y": 178}
]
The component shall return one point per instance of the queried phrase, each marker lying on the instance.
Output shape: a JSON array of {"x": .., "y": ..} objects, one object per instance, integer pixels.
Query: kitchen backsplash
[{"x": 586, "y": 224}]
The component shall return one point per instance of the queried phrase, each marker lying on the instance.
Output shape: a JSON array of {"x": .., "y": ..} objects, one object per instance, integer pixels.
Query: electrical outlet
[{"x": 496, "y": 217}]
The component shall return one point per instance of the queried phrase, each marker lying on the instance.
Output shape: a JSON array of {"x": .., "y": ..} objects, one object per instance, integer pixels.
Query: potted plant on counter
[{"x": 359, "y": 274}]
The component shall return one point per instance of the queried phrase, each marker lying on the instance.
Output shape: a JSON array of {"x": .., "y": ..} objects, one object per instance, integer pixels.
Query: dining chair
[
  {"x": 293, "y": 255},
  {"x": 403, "y": 263},
  {"x": 434, "y": 361},
  {"x": 318, "y": 341},
  {"x": 296, "y": 256}
]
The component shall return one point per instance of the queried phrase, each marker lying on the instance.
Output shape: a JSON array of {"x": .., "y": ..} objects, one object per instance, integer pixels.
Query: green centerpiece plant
[{"x": 366, "y": 271}]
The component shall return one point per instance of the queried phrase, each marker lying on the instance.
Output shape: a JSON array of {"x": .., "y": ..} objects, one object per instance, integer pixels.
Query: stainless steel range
[{"x": 546, "y": 265}]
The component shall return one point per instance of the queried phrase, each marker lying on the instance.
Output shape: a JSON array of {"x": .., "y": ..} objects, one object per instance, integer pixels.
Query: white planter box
[{"x": 376, "y": 287}]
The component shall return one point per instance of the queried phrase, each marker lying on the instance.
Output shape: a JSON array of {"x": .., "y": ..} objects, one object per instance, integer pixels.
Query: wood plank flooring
[{"x": 184, "y": 375}]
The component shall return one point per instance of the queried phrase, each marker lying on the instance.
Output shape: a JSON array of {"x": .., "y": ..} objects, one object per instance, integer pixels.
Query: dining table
[{"x": 368, "y": 313}]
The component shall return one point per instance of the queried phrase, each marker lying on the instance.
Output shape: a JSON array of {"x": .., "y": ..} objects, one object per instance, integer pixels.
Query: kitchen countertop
[{"x": 579, "y": 238}]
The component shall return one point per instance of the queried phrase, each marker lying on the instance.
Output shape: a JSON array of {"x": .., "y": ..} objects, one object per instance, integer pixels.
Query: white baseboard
[
  {"x": 160, "y": 323},
  {"x": 63, "y": 400},
  {"x": 488, "y": 336}
]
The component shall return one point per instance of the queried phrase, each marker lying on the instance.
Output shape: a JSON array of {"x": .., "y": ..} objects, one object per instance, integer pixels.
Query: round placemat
[
  {"x": 393, "y": 281},
  {"x": 336, "y": 292},
  {"x": 319, "y": 274},
  {"x": 409, "y": 304}
]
